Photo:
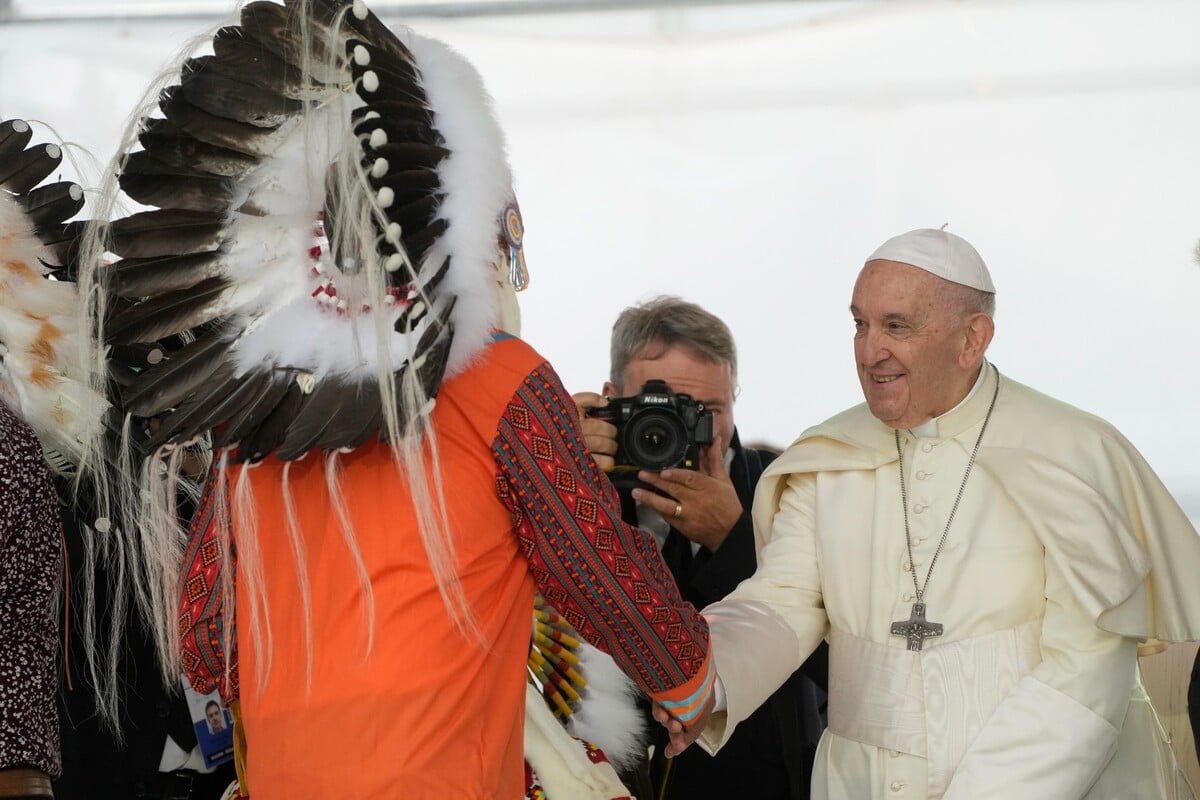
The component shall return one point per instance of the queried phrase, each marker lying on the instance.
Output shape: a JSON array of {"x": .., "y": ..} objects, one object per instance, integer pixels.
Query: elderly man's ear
[{"x": 979, "y": 334}]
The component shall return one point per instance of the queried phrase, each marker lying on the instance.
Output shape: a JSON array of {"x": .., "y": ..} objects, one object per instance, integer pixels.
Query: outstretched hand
[{"x": 706, "y": 500}]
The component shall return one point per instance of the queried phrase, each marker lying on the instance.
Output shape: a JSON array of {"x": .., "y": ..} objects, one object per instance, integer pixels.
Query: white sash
[{"x": 929, "y": 703}]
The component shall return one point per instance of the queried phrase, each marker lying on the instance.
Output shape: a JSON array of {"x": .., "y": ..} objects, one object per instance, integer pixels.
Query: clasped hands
[
  {"x": 681, "y": 736},
  {"x": 701, "y": 504}
]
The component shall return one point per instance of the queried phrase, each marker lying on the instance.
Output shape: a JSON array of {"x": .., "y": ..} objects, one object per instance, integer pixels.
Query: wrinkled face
[
  {"x": 910, "y": 343},
  {"x": 710, "y": 383}
]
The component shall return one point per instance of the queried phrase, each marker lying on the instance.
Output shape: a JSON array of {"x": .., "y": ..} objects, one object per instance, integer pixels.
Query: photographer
[{"x": 700, "y": 520}]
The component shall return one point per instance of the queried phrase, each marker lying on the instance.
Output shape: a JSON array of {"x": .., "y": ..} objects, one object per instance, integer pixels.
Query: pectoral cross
[{"x": 915, "y": 628}]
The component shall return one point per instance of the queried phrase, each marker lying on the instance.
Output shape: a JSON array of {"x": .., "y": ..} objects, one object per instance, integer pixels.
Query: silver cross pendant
[{"x": 916, "y": 629}]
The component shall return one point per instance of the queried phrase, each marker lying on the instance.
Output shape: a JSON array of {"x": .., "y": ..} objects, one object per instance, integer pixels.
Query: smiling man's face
[{"x": 910, "y": 343}]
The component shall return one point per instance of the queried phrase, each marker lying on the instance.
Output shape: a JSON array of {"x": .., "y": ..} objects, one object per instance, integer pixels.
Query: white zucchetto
[{"x": 940, "y": 253}]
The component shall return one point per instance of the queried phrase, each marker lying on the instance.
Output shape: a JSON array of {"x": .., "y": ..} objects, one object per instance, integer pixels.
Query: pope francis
[{"x": 982, "y": 558}]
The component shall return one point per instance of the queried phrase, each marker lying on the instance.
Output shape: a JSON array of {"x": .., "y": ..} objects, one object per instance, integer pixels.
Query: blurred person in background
[{"x": 46, "y": 416}]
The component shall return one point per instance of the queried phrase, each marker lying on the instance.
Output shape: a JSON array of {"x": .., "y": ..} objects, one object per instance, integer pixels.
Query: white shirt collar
[{"x": 929, "y": 428}]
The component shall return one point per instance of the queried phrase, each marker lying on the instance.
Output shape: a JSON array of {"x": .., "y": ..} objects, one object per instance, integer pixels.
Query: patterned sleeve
[{"x": 603, "y": 575}]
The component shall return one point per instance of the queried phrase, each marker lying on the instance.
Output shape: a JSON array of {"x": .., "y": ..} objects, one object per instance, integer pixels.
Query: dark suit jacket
[
  {"x": 1194, "y": 703},
  {"x": 771, "y": 753}
]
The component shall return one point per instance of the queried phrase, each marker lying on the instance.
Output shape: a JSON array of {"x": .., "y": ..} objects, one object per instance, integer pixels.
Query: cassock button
[
  {"x": 906, "y": 566},
  {"x": 922, "y": 475},
  {"x": 897, "y": 785},
  {"x": 927, "y": 447},
  {"x": 907, "y": 597},
  {"x": 919, "y": 508}
]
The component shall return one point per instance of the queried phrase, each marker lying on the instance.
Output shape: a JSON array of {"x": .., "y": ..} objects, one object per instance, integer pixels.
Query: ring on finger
[{"x": 678, "y": 510}]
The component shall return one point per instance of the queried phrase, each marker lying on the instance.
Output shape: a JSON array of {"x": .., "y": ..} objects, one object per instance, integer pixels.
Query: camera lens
[{"x": 655, "y": 440}]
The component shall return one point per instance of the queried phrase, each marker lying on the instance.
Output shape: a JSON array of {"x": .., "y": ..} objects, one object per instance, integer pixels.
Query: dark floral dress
[{"x": 30, "y": 566}]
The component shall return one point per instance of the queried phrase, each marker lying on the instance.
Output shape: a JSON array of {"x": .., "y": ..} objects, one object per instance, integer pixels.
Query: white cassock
[{"x": 1065, "y": 552}]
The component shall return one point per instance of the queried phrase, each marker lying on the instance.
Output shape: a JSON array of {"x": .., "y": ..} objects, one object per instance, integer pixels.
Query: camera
[{"x": 656, "y": 429}]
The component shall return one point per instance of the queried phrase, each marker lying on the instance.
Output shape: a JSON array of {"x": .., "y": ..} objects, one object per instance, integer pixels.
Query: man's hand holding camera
[
  {"x": 599, "y": 435},
  {"x": 702, "y": 503},
  {"x": 706, "y": 502}
]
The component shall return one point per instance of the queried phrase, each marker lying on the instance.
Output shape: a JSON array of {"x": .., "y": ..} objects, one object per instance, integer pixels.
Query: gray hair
[
  {"x": 982, "y": 302},
  {"x": 966, "y": 300},
  {"x": 649, "y": 329}
]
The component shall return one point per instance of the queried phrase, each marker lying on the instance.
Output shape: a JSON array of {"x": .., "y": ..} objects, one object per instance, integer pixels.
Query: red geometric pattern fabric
[
  {"x": 548, "y": 477},
  {"x": 544, "y": 476},
  {"x": 202, "y": 617}
]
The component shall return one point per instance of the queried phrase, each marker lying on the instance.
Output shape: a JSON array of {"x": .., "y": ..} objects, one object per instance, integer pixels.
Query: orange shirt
[{"x": 429, "y": 713}]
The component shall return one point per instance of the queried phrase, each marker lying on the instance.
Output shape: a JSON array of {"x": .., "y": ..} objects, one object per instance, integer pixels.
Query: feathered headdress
[
  {"x": 331, "y": 199},
  {"x": 332, "y": 232},
  {"x": 39, "y": 321}
]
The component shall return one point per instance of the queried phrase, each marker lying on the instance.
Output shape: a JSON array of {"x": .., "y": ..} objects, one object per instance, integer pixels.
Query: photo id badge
[{"x": 213, "y": 724}]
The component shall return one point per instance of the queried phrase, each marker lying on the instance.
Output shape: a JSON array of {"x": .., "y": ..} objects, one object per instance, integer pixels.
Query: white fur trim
[
  {"x": 608, "y": 716},
  {"x": 560, "y": 762},
  {"x": 478, "y": 185},
  {"x": 284, "y": 325}
]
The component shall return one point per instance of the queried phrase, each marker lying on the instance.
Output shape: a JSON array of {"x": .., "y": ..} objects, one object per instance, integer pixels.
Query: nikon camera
[{"x": 655, "y": 430}]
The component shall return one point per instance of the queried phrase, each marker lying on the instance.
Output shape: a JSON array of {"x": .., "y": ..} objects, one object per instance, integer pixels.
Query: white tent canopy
[{"x": 748, "y": 156}]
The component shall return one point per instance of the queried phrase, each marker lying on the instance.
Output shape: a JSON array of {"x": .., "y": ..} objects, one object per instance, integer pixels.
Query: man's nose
[{"x": 873, "y": 347}]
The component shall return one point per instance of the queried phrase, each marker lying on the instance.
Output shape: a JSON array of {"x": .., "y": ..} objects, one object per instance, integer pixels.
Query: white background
[{"x": 749, "y": 156}]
